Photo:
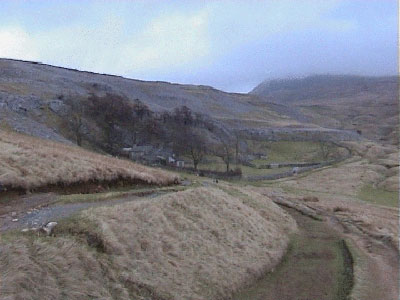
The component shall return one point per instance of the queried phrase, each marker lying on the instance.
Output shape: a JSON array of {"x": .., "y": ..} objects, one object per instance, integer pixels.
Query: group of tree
[{"x": 124, "y": 123}]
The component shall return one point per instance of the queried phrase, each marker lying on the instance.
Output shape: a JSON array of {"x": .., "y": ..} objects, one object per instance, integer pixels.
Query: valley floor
[{"x": 329, "y": 211}]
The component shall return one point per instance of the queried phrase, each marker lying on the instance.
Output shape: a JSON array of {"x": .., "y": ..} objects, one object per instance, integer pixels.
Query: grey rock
[
  {"x": 49, "y": 227},
  {"x": 58, "y": 107}
]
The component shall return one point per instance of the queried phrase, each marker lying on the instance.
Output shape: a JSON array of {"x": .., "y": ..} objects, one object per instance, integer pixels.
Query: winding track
[{"x": 45, "y": 212}]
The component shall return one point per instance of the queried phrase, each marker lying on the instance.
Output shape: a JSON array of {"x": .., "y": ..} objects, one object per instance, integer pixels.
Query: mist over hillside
[
  {"x": 366, "y": 104},
  {"x": 318, "y": 87}
]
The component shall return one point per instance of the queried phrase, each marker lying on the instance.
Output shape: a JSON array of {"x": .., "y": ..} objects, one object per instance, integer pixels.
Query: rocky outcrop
[{"x": 301, "y": 134}]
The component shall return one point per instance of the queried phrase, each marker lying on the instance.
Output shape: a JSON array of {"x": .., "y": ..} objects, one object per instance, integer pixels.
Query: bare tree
[
  {"x": 326, "y": 149},
  {"x": 75, "y": 121},
  {"x": 111, "y": 112},
  {"x": 224, "y": 151},
  {"x": 197, "y": 148},
  {"x": 237, "y": 148},
  {"x": 190, "y": 141}
]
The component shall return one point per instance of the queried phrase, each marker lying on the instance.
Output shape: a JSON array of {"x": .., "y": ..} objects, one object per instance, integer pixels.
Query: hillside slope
[
  {"x": 30, "y": 87},
  {"x": 202, "y": 243},
  {"x": 34, "y": 100},
  {"x": 30, "y": 163},
  {"x": 366, "y": 104}
]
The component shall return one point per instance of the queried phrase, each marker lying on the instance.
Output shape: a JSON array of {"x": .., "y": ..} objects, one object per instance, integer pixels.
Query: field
[
  {"x": 287, "y": 151},
  {"x": 196, "y": 244},
  {"x": 30, "y": 163},
  {"x": 379, "y": 196},
  {"x": 275, "y": 152}
]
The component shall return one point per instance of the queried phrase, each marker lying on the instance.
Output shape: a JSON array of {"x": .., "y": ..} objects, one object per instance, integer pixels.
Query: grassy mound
[
  {"x": 27, "y": 163},
  {"x": 197, "y": 244}
]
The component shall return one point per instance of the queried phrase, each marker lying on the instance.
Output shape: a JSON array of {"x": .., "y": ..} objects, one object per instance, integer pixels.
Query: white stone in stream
[{"x": 48, "y": 228}]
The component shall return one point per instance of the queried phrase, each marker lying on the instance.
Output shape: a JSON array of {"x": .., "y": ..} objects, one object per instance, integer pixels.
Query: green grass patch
[
  {"x": 313, "y": 267},
  {"x": 378, "y": 196},
  {"x": 77, "y": 198},
  {"x": 214, "y": 163},
  {"x": 286, "y": 151}
]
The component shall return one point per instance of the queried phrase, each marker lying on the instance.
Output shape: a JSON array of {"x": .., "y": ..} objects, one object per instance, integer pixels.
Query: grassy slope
[
  {"x": 360, "y": 178},
  {"x": 197, "y": 244},
  {"x": 27, "y": 162},
  {"x": 369, "y": 104},
  {"x": 338, "y": 189},
  {"x": 379, "y": 196},
  {"x": 314, "y": 255}
]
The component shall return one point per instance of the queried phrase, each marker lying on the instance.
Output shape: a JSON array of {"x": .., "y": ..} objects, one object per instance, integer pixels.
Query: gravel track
[{"x": 37, "y": 217}]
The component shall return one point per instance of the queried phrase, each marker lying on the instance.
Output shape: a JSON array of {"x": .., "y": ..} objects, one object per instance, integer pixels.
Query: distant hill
[
  {"x": 366, "y": 104},
  {"x": 34, "y": 100},
  {"x": 30, "y": 85}
]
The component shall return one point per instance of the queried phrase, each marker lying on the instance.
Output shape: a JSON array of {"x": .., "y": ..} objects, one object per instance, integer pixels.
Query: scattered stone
[
  {"x": 15, "y": 220},
  {"x": 13, "y": 214}
]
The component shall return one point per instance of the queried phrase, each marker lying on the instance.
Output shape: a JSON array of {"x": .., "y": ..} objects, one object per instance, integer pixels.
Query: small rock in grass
[{"x": 48, "y": 228}]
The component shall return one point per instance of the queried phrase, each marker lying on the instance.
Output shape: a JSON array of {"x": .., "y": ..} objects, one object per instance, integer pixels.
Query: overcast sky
[{"x": 231, "y": 45}]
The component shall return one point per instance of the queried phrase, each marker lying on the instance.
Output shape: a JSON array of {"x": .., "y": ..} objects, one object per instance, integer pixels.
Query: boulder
[{"x": 48, "y": 228}]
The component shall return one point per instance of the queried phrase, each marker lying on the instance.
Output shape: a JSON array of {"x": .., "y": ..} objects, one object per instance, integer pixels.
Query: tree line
[{"x": 121, "y": 122}]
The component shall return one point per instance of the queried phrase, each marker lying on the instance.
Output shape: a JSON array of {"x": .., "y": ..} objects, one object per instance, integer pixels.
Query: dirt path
[
  {"x": 41, "y": 210},
  {"x": 315, "y": 267}
]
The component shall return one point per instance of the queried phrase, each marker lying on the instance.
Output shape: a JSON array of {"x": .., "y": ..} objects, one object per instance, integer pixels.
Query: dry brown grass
[
  {"x": 376, "y": 165},
  {"x": 27, "y": 162},
  {"x": 197, "y": 244},
  {"x": 362, "y": 219},
  {"x": 340, "y": 187}
]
